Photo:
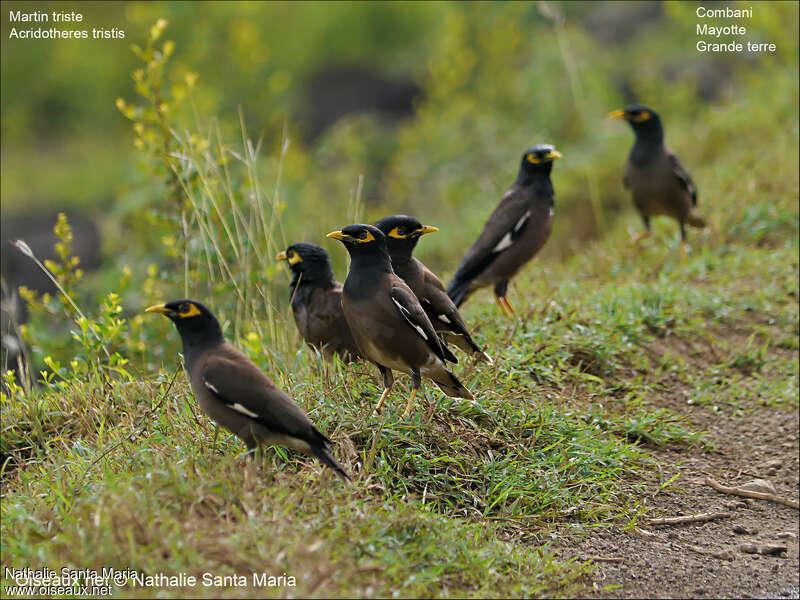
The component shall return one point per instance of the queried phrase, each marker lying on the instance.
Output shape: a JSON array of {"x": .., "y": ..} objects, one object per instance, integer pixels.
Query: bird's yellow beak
[
  {"x": 280, "y": 256},
  {"x": 617, "y": 114},
  {"x": 336, "y": 235},
  {"x": 427, "y": 229},
  {"x": 553, "y": 154},
  {"x": 158, "y": 308}
]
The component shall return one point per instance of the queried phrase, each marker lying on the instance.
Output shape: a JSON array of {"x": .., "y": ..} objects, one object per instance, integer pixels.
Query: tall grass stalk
[{"x": 554, "y": 14}]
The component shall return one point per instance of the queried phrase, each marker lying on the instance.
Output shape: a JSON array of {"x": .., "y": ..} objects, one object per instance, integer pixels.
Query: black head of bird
[
  {"x": 537, "y": 162},
  {"x": 402, "y": 234},
  {"x": 234, "y": 392},
  {"x": 196, "y": 324},
  {"x": 364, "y": 243},
  {"x": 309, "y": 263},
  {"x": 643, "y": 120}
]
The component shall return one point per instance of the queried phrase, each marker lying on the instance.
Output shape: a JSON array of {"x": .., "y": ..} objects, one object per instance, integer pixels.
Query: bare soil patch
[{"x": 710, "y": 559}]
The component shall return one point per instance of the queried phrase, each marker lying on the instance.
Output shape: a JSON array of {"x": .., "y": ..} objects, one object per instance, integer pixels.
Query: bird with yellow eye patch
[
  {"x": 387, "y": 321},
  {"x": 658, "y": 182},
  {"x": 235, "y": 393},
  {"x": 514, "y": 232},
  {"x": 316, "y": 299},
  {"x": 402, "y": 234}
]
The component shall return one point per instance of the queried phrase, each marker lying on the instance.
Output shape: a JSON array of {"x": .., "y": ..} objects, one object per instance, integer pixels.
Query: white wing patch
[
  {"x": 235, "y": 406},
  {"x": 407, "y": 317},
  {"x": 241, "y": 409},
  {"x": 445, "y": 319},
  {"x": 508, "y": 237},
  {"x": 504, "y": 243}
]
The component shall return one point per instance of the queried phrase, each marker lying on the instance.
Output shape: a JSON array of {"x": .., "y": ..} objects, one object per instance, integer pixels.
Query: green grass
[
  {"x": 609, "y": 346},
  {"x": 461, "y": 498}
]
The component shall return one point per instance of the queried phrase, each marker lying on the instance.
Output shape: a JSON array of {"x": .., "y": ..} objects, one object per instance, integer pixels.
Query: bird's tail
[
  {"x": 696, "y": 220},
  {"x": 468, "y": 345},
  {"x": 448, "y": 382},
  {"x": 324, "y": 454},
  {"x": 458, "y": 289}
]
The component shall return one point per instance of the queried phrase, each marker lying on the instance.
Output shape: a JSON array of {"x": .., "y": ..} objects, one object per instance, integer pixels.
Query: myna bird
[
  {"x": 316, "y": 299},
  {"x": 387, "y": 321},
  {"x": 402, "y": 234},
  {"x": 514, "y": 233},
  {"x": 235, "y": 393},
  {"x": 655, "y": 176}
]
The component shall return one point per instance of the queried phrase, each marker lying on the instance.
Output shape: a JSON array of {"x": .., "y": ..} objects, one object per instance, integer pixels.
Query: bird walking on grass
[
  {"x": 387, "y": 321},
  {"x": 316, "y": 299},
  {"x": 235, "y": 393},
  {"x": 513, "y": 234},
  {"x": 659, "y": 183},
  {"x": 402, "y": 234}
]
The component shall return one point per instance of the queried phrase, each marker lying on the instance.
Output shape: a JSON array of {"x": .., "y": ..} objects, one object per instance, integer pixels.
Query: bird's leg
[
  {"x": 684, "y": 244},
  {"x": 379, "y": 406},
  {"x": 388, "y": 382},
  {"x": 508, "y": 305},
  {"x": 502, "y": 306},
  {"x": 500, "y": 296},
  {"x": 214, "y": 443},
  {"x": 416, "y": 381},
  {"x": 642, "y": 234},
  {"x": 684, "y": 252}
]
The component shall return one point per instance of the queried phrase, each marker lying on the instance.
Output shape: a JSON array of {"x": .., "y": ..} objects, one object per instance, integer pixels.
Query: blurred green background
[
  {"x": 492, "y": 78},
  {"x": 359, "y": 110}
]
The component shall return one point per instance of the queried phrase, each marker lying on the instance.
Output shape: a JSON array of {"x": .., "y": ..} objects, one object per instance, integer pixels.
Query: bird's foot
[
  {"x": 505, "y": 306},
  {"x": 410, "y": 404},
  {"x": 377, "y": 411},
  {"x": 637, "y": 238}
]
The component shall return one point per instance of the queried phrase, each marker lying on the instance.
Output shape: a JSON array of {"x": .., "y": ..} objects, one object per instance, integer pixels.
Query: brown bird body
[
  {"x": 387, "y": 320},
  {"x": 519, "y": 203},
  {"x": 402, "y": 234},
  {"x": 210, "y": 378},
  {"x": 658, "y": 181},
  {"x": 374, "y": 325},
  {"x": 514, "y": 233},
  {"x": 322, "y": 324},
  {"x": 235, "y": 393},
  {"x": 316, "y": 299},
  {"x": 662, "y": 187}
]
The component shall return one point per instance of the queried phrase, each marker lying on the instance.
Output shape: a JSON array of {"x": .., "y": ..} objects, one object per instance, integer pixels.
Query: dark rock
[
  {"x": 338, "y": 91},
  {"x": 17, "y": 270}
]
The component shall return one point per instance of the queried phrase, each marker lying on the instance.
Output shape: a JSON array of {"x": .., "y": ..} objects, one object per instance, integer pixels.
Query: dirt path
[{"x": 708, "y": 559}]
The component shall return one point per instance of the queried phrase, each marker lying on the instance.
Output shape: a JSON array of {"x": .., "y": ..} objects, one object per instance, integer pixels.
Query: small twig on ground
[
  {"x": 750, "y": 494},
  {"x": 643, "y": 533},
  {"x": 709, "y": 516},
  {"x": 606, "y": 559},
  {"x": 720, "y": 554}
]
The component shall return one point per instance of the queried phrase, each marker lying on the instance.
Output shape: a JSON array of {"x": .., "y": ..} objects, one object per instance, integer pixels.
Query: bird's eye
[
  {"x": 401, "y": 230},
  {"x": 363, "y": 234},
  {"x": 185, "y": 307}
]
